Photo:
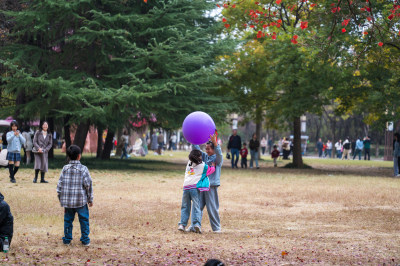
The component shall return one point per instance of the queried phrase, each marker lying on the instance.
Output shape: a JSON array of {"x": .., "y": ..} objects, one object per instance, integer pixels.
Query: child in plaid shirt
[{"x": 75, "y": 193}]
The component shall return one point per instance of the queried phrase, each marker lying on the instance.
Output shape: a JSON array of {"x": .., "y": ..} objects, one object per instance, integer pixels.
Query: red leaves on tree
[
  {"x": 218, "y": 5},
  {"x": 312, "y": 5},
  {"x": 368, "y": 9},
  {"x": 380, "y": 44},
  {"x": 304, "y": 25},
  {"x": 233, "y": 6},
  {"x": 273, "y": 36},
  {"x": 224, "y": 20},
  {"x": 278, "y": 2},
  {"x": 390, "y": 17},
  {"x": 345, "y": 22},
  {"x": 227, "y": 25},
  {"x": 260, "y": 34},
  {"x": 343, "y": 30},
  {"x": 365, "y": 32},
  {"x": 145, "y": 1},
  {"x": 369, "y": 19},
  {"x": 294, "y": 39}
]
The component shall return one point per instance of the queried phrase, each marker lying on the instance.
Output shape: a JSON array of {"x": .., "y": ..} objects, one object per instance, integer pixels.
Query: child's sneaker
[
  {"x": 86, "y": 245},
  {"x": 181, "y": 228},
  {"x": 190, "y": 229},
  {"x": 197, "y": 229}
]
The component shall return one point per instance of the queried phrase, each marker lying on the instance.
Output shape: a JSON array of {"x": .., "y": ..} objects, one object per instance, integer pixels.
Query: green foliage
[{"x": 105, "y": 61}]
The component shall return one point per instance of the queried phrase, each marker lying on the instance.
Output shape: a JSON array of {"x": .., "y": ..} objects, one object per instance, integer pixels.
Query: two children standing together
[{"x": 202, "y": 168}]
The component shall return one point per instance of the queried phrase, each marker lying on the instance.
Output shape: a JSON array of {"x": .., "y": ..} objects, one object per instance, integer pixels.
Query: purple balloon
[{"x": 197, "y": 127}]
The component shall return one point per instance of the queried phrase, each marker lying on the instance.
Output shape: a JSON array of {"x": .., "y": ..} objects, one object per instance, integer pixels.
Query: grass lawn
[{"x": 339, "y": 212}]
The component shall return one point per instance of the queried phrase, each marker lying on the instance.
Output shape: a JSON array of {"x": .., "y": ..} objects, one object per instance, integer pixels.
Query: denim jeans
[
  {"x": 69, "y": 216},
  {"x": 189, "y": 196},
  {"x": 125, "y": 151},
  {"x": 395, "y": 165},
  {"x": 233, "y": 161},
  {"x": 358, "y": 151},
  {"x": 329, "y": 153},
  {"x": 367, "y": 154},
  {"x": 339, "y": 154},
  {"x": 254, "y": 156}
]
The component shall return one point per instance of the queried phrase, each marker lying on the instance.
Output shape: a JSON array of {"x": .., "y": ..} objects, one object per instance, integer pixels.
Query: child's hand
[
  {"x": 213, "y": 138},
  {"x": 213, "y": 164},
  {"x": 90, "y": 204}
]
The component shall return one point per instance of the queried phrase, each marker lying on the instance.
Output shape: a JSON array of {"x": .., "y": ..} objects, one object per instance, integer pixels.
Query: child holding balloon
[
  {"x": 196, "y": 180},
  {"x": 209, "y": 198}
]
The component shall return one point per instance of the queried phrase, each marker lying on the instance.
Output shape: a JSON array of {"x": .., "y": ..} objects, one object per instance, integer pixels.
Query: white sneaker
[
  {"x": 218, "y": 231},
  {"x": 190, "y": 229},
  {"x": 181, "y": 228},
  {"x": 197, "y": 229},
  {"x": 86, "y": 245}
]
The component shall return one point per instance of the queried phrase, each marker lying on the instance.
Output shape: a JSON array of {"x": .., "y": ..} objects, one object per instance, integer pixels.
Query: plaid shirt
[{"x": 74, "y": 187}]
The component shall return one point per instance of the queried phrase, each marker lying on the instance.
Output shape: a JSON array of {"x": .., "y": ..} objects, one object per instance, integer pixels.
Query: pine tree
[{"x": 102, "y": 62}]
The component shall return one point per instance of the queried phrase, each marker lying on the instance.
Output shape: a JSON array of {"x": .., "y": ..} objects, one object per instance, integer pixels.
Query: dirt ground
[{"x": 336, "y": 213}]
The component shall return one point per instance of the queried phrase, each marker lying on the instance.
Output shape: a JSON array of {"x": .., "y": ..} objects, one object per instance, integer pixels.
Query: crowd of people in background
[{"x": 347, "y": 149}]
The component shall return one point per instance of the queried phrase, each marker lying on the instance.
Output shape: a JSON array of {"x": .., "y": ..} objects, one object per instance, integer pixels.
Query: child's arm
[
  {"x": 59, "y": 185},
  {"x": 218, "y": 151},
  {"x": 87, "y": 182},
  {"x": 210, "y": 169},
  {"x": 10, "y": 136}
]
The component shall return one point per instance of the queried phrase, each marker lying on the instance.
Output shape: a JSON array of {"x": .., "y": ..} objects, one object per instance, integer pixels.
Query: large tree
[{"x": 102, "y": 62}]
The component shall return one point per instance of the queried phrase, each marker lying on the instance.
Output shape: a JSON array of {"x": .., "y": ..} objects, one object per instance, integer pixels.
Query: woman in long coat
[{"x": 42, "y": 143}]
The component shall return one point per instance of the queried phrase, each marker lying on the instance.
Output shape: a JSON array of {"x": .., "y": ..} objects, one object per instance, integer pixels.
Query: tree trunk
[
  {"x": 120, "y": 144},
  {"x": 297, "y": 157},
  {"x": 81, "y": 134},
  {"x": 99, "y": 142},
  {"x": 67, "y": 133},
  {"x": 50, "y": 120},
  {"x": 108, "y": 145}
]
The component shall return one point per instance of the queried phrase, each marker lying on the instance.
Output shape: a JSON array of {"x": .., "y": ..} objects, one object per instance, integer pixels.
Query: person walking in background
[
  {"x": 329, "y": 148},
  {"x": 125, "y": 142},
  {"x": 42, "y": 143},
  {"x": 154, "y": 144},
  {"x": 234, "y": 146},
  {"x": 367, "y": 148},
  {"x": 285, "y": 149},
  {"x": 15, "y": 141},
  {"x": 320, "y": 146},
  {"x": 275, "y": 155},
  {"x": 396, "y": 141},
  {"x": 346, "y": 149},
  {"x": 254, "y": 146},
  {"x": 270, "y": 145},
  {"x": 160, "y": 140},
  {"x": 243, "y": 154},
  {"x": 173, "y": 141},
  {"x": 28, "y": 144},
  {"x": 263, "y": 145},
  {"x": 359, "y": 148},
  {"x": 339, "y": 148},
  {"x": 353, "y": 145}
]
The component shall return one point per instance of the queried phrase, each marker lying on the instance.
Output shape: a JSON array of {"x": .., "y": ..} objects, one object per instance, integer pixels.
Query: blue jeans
[
  {"x": 339, "y": 154},
  {"x": 395, "y": 165},
  {"x": 189, "y": 196},
  {"x": 358, "y": 151},
  {"x": 329, "y": 153},
  {"x": 69, "y": 216},
  {"x": 233, "y": 161},
  {"x": 254, "y": 156},
  {"x": 125, "y": 151}
]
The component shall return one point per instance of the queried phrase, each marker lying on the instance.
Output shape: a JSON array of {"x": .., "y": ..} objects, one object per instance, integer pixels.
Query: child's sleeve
[
  {"x": 219, "y": 157},
  {"x": 210, "y": 170},
  {"x": 59, "y": 185},
  {"x": 87, "y": 181}
]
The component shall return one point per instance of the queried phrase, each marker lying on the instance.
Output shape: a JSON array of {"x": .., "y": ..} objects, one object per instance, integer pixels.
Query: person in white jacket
[{"x": 338, "y": 147}]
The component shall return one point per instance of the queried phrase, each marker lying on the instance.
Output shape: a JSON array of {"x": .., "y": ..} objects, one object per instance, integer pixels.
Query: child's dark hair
[
  {"x": 211, "y": 144},
  {"x": 73, "y": 152},
  {"x": 195, "y": 157},
  {"x": 14, "y": 123},
  {"x": 275, "y": 146},
  {"x": 244, "y": 144}
]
